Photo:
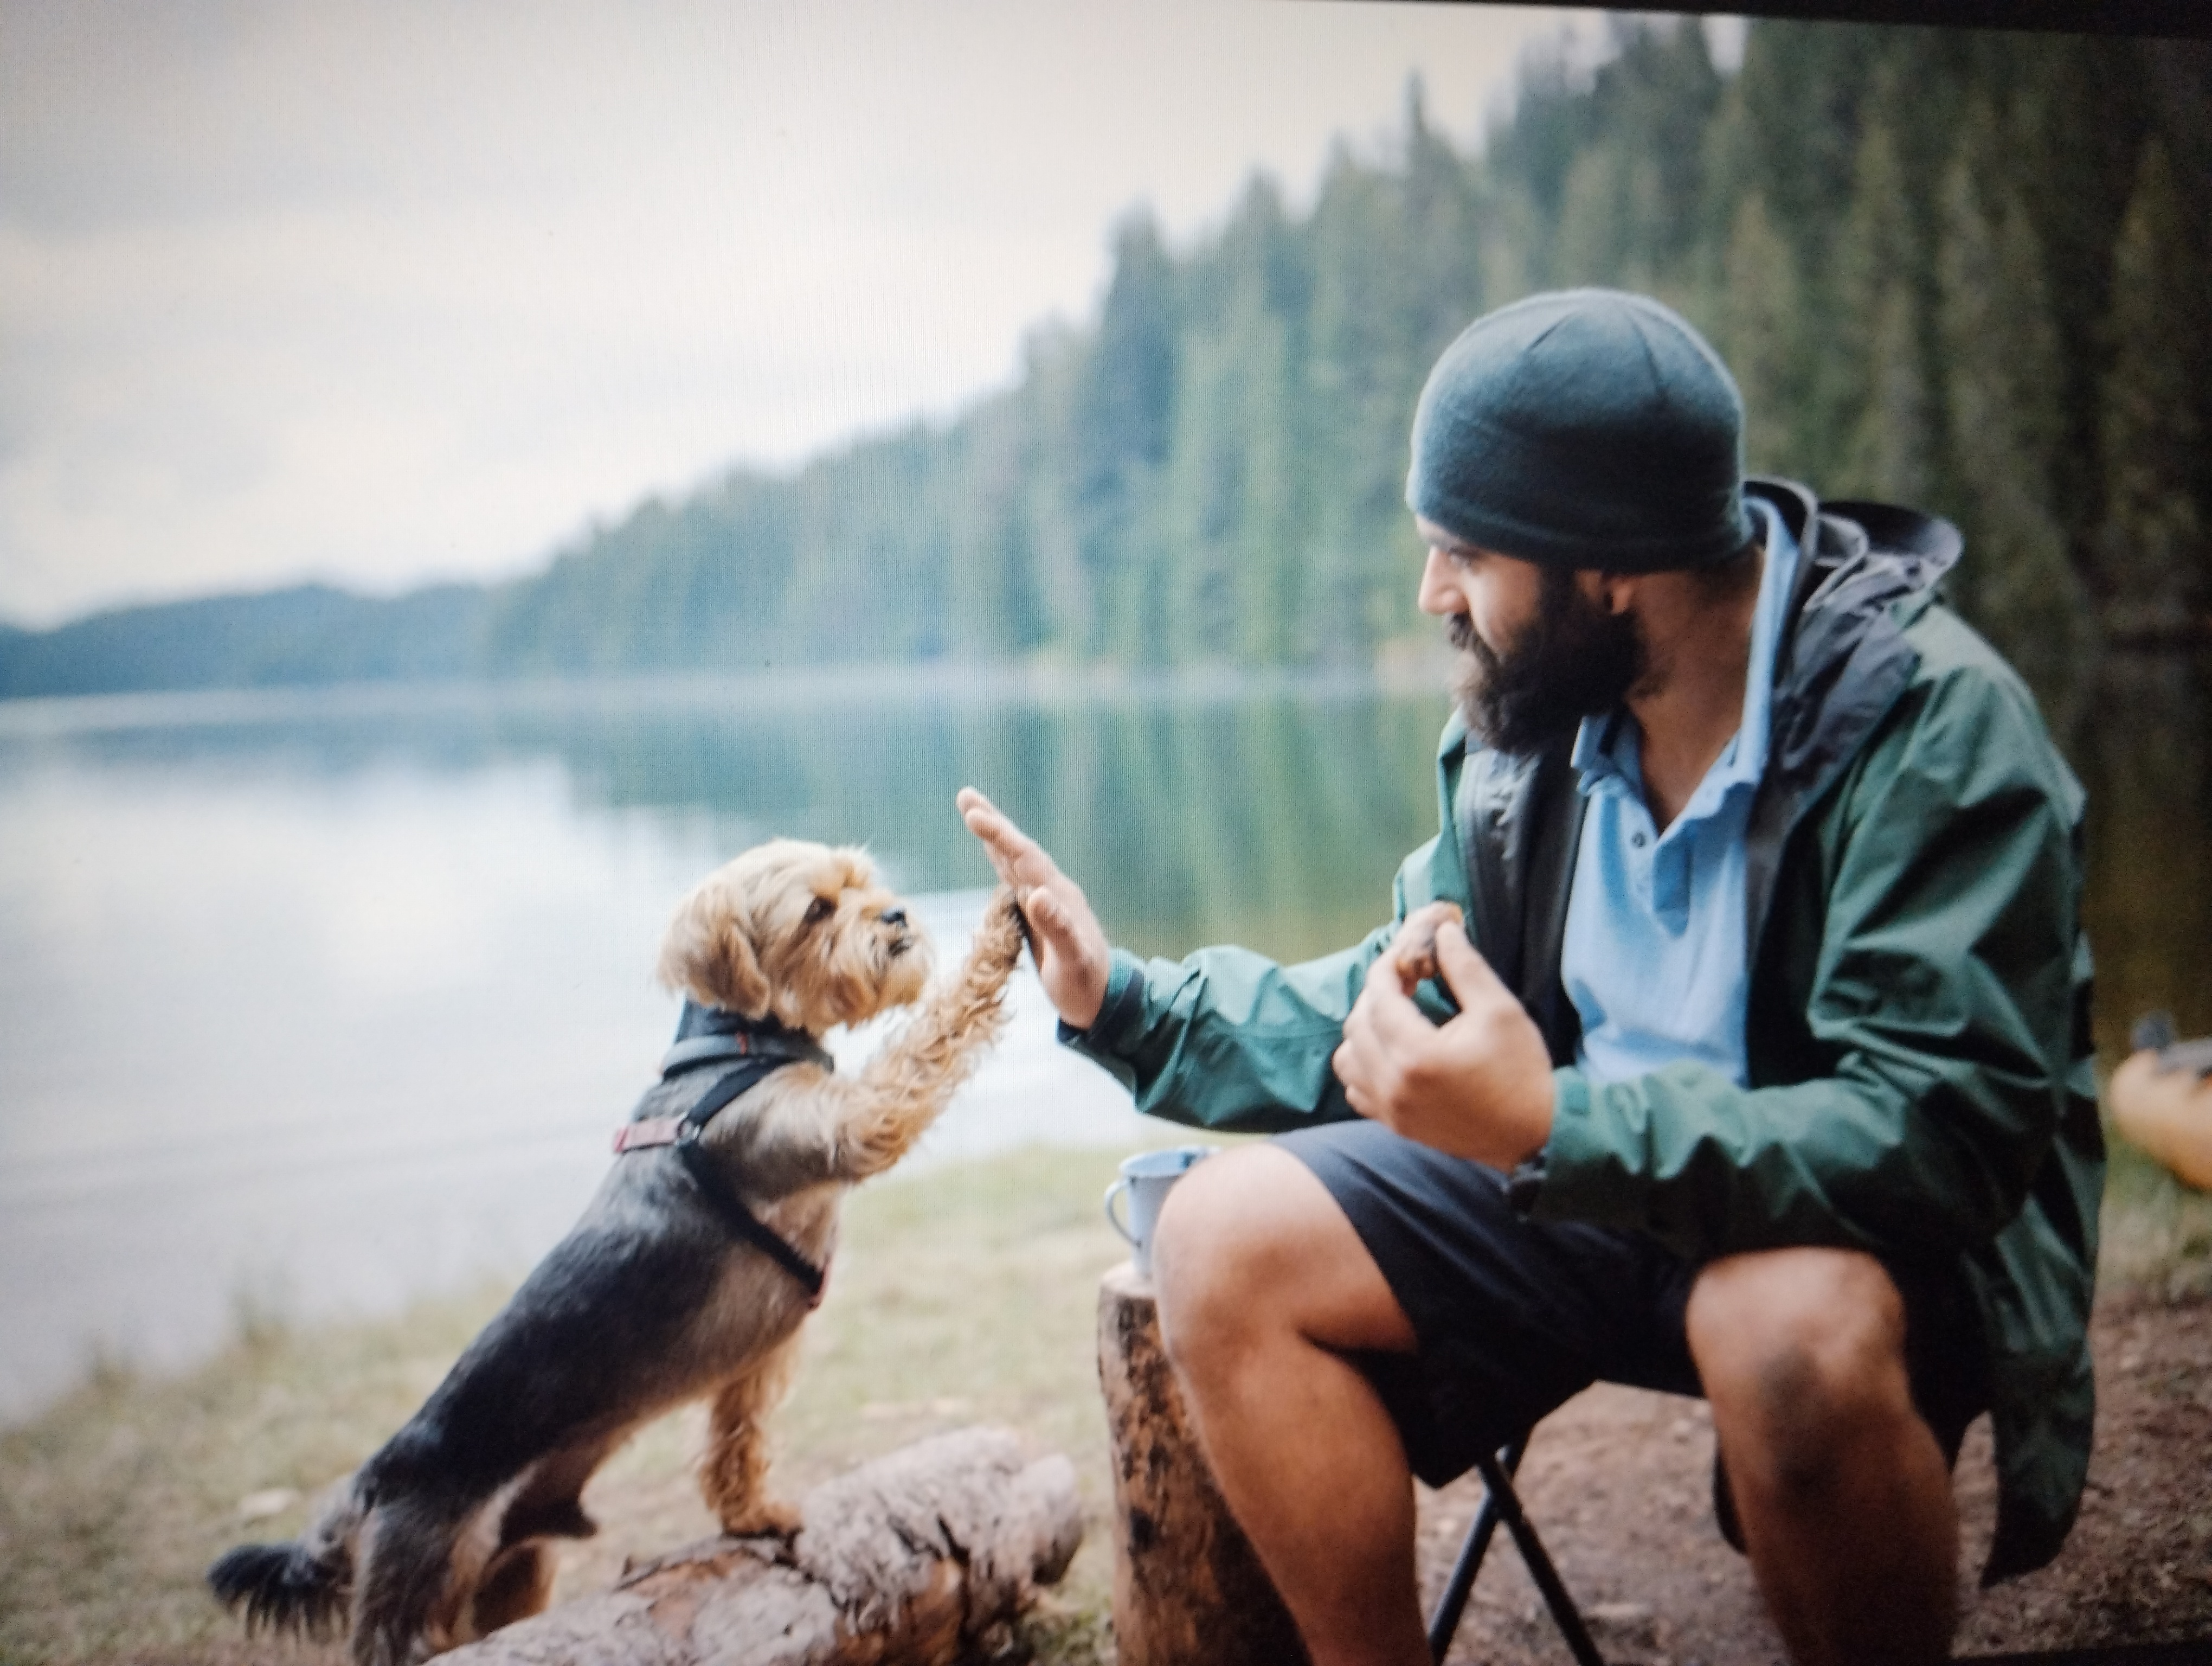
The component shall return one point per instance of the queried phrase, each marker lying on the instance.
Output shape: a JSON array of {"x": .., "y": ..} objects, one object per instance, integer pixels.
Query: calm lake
[{"x": 313, "y": 1002}]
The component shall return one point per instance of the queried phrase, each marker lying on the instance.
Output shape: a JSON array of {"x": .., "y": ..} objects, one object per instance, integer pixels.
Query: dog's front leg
[
  {"x": 733, "y": 1474},
  {"x": 908, "y": 1084}
]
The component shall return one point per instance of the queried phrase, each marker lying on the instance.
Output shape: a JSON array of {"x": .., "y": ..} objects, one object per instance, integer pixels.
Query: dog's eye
[{"x": 820, "y": 909}]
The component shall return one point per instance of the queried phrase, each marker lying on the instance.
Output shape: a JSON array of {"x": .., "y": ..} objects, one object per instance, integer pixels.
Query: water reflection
[
  {"x": 342, "y": 990},
  {"x": 333, "y": 999},
  {"x": 1270, "y": 812}
]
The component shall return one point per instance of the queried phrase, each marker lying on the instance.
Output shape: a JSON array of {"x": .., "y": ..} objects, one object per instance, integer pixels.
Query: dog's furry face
[{"x": 801, "y": 931}]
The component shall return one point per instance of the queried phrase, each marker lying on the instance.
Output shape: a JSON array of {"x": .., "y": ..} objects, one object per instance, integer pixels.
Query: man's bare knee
[
  {"x": 1802, "y": 1353},
  {"x": 1209, "y": 1250},
  {"x": 1250, "y": 1242}
]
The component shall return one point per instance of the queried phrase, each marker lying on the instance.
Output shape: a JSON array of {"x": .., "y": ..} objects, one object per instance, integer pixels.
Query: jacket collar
[{"x": 1870, "y": 569}]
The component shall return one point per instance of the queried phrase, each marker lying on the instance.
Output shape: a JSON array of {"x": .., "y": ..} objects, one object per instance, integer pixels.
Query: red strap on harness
[{"x": 654, "y": 1131}]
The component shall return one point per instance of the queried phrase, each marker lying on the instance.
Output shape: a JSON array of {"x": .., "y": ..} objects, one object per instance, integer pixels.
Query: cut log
[
  {"x": 1188, "y": 1589},
  {"x": 918, "y": 1559}
]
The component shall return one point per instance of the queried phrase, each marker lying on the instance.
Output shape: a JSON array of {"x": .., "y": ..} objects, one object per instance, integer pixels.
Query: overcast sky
[{"x": 381, "y": 290}]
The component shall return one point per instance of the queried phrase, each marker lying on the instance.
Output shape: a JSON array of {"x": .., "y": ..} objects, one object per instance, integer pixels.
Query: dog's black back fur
[{"x": 560, "y": 1357}]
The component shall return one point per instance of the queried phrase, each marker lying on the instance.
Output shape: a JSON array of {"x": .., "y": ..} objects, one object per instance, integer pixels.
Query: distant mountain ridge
[
  {"x": 1962, "y": 269},
  {"x": 304, "y": 635}
]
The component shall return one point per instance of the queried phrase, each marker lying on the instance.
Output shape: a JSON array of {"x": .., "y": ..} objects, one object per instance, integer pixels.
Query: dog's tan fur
[
  {"x": 800, "y": 932},
  {"x": 743, "y": 940}
]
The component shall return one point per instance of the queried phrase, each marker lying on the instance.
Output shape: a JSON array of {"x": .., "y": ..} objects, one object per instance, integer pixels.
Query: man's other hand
[
  {"x": 1479, "y": 1086},
  {"x": 1072, "y": 955}
]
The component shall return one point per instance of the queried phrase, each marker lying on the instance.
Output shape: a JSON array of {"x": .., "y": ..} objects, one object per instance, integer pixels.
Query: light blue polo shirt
[{"x": 1654, "y": 954}]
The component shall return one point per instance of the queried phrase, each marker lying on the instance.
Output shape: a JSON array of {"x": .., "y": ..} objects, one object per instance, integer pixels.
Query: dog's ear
[{"x": 708, "y": 951}]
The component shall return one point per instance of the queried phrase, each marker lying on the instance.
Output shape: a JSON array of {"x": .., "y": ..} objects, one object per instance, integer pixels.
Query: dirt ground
[{"x": 1619, "y": 1483}]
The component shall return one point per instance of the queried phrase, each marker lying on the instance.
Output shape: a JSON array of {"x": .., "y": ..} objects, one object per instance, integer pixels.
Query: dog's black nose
[{"x": 893, "y": 916}]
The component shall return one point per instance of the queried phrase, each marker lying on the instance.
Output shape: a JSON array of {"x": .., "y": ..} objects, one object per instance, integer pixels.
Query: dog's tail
[{"x": 302, "y": 1586}]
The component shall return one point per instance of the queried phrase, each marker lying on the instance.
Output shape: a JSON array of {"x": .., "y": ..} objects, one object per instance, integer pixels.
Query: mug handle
[{"x": 1112, "y": 1220}]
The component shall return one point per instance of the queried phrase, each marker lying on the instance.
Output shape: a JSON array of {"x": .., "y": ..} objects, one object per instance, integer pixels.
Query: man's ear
[{"x": 708, "y": 952}]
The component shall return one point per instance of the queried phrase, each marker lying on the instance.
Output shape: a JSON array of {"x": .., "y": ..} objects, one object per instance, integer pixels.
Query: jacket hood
[{"x": 1845, "y": 658}]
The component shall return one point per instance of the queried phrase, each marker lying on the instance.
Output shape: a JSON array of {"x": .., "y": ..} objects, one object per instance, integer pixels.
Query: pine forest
[{"x": 1970, "y": 271}]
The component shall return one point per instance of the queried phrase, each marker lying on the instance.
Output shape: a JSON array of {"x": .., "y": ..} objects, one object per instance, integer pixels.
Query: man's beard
[{"x": 1571, "y": 660}]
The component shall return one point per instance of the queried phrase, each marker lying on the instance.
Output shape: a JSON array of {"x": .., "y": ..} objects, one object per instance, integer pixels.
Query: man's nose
[{"x": 1439, "y": 595}]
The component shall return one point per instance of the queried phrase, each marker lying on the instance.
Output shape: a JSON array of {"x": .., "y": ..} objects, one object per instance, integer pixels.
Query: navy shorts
[{"x": 1514, "y": 1316}]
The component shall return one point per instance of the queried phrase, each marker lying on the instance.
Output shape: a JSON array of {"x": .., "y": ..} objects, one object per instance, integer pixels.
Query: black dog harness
[{"x": 748, "y": 1050}]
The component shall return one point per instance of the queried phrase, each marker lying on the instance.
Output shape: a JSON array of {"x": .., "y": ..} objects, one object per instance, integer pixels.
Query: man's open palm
[{"x": 1072, "y": 951}]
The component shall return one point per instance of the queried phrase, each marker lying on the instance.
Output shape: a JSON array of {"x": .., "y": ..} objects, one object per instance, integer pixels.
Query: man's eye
[{"x": 820, "y": 909}]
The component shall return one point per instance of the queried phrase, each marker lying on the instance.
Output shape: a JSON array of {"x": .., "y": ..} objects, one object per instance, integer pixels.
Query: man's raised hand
[
  {"x": 1071, "y": 952},
  {"x": 1479, "y": 1086}
]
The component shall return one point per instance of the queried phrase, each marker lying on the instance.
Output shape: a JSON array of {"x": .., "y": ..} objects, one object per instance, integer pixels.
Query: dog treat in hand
[{"x": 1416, "y": 947}]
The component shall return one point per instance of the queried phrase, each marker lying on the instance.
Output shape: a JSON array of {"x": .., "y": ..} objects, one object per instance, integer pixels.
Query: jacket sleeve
[
  {"x": 1941, "y": 996},
  {"x": 1229, "y": 1039}
]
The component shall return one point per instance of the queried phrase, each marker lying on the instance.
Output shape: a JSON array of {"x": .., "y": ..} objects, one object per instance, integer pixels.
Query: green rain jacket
[{"x": 1917, "y": 1035}]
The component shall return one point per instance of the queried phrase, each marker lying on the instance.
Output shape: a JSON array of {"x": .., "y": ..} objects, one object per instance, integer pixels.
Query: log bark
[
  {"x": 921, "y": 1558},
  {"x": 1188, "y": 1589}
]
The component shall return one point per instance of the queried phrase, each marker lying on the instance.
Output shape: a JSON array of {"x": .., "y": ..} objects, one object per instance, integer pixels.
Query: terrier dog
[{"x": 689, "y": 1274}]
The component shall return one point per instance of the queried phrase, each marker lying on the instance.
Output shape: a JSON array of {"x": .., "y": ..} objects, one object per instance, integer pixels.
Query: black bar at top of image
[{"x": 2179, "y": 19}]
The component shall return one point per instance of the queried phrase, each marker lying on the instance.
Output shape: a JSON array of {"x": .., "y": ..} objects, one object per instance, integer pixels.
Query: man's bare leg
[
  {"x": 1263, "y": 1287},
  {"x": 1842, "y": 1490}
]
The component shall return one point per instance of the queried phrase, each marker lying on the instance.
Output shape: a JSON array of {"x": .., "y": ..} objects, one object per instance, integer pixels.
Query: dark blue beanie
[{"x": 1585, "y": 428}]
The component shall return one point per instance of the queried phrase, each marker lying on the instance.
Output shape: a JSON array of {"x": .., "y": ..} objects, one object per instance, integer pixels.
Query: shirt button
[{"x": 1636, "y": 839}]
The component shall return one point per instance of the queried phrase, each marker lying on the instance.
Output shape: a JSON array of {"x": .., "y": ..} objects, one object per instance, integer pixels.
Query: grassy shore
[{"x": 961, "y": 1295}]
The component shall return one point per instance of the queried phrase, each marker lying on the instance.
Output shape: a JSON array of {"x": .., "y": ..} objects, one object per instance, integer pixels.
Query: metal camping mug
[{"x": 1145, "y": 1177}]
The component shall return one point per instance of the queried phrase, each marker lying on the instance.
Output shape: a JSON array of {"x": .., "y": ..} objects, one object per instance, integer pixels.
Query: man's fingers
[
  {"x": 1465, "y": 973},
  {"x": 1394, "y": 1023},
  {"x": 1047, "y": 914},
  {"x": 992, "y": 827},
  {"x": 1019, "y": 860},
  {"x": 1353, "y": 1068},
  {"x": 1059, "y": 934}
]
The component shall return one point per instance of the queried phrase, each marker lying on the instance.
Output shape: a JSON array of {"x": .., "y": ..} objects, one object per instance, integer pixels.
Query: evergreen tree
[
  {"x": 1361, "y": 380},
  {"x": 1890, "y": 438},
  {"x": 1764, "y": 339},
  {"x": 2153, "y": 554},
  {"x": 1124, "y": 423},
  {"x": 2001, "y": 376}
]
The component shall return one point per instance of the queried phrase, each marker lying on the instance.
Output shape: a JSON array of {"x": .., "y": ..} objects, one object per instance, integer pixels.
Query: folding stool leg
[
  {"x": 1565, "y": 1613},
  {"x": 1443, "y": 1626},
  {"x": 1501, "y": 1502}
]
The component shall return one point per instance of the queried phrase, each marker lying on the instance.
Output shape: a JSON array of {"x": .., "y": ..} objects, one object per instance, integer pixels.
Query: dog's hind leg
[
  {"x": 405, "y": 1591},
  {"x": 517, "y": 1581},
  {"x": 550, "y": 1502},
  {"x": 515, "y": 1584},
  {"x": 733, "y": 1474},
  {"x": 909, "y": 1083}
]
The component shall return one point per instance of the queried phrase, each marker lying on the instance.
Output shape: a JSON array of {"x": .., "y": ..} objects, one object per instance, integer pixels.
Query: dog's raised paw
[{"x": 998, "y": 940}]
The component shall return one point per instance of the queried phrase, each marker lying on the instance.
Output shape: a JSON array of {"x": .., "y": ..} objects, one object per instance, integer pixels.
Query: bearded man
[{"x": 1759, "y": 1070}]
